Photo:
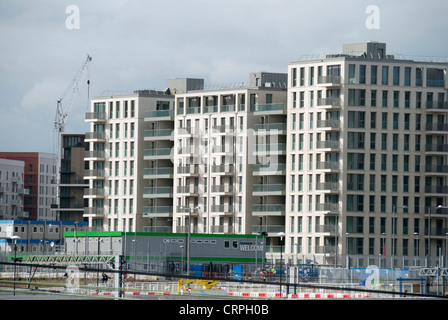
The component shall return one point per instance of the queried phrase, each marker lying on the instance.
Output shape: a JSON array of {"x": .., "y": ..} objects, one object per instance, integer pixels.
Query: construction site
[{"x": 113, "y": 277}]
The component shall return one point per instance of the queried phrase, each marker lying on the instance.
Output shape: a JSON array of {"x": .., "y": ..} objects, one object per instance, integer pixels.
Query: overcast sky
[{"x": 138, "y": 44}]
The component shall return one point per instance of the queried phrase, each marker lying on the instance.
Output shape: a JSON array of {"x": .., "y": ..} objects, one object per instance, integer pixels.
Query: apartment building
[
  {"x": 39, "y": 181},
  {"x": 230, "y": 157},
  {"x": 367, "y": 156},
  {"x": 12, "y": 189},
  {"x": 122, "y": 156},
  {"x": 72, "y": 185}
]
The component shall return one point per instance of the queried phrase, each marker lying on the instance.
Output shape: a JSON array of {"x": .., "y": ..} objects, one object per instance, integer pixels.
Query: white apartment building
[
  {"x": 121, "y": 159},
  {"x": 230, "y": 157},
  {"x": 12, "y": 189},
  {"x": 367, "y": 159}
]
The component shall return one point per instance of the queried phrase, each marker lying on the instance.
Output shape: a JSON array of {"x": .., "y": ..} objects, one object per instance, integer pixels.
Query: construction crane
[{"x": 63, "y": 112}]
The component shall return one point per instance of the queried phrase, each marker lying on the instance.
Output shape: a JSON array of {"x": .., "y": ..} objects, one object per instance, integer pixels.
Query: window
[
  {"x": 357, "y": 97},
  {"x": 355, "y": 224},
  {"x": 373, "y": 74},
  {"x": 356, "y": 119},
  {"x": 385, "y": 75},
  {"x": 356, "y": 140},
  {"x": 355, "y": 202},
  {"x": 396, "y": 76},
  {"x": 351, "y": 73},
  {"x": 362, "y": 74}
]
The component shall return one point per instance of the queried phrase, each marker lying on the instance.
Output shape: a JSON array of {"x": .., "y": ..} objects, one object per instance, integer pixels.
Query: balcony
[
  {"x": 277, "y": 148},
  {"x": 270, "y": 229},
  {"x": 158, "y": 134},
  {"x": 436, "y": 148},
  {"x": 329, "y": 125},
  {"x": 95, "y": 155},
  {"x": 271, "y": 169},
  {"x": 223, "y": 209},
  {"x": 158, "y": 192},
  {"x": 327, "y": 228},
  {"x": 437, "y": 128},
  {"x": 273, "y": 108},
  {"x": 188, "y": 170},
  {"x": 269, "y": 189},
  {"x": 332, "y": 166},
  {"x": 223, "y": 189},
  {"x": 224, "y": 169},
  {"x": 223, "y": 129},
  {"x": 94, "y": 174},
  {"x": 328, "y": 207},
  {"x": 162, "y": 153},
  {"x": 434, "y": 169},
  {"x": 191, "y": 190},
  {"x": 332, "y": 81},
  {"x": 95, "y": 136},
  {"x": 228, "y": 108},
  {"x": 436, "y": 190},
  {"x": 268, "y": 209},
  {"x": 16, "y": 202},
  {"x": 96, "y": 116},
  {"x": 160, "y": 114},
  {"x": 160, "y": 211},
  {"x": 329, "y": 103},
  {"x": 281, "y": 127},
  {"x": 329, "y": 144},
  {"x": 211, "y": 109},
  {"x": 437, "y": 106},
  {"x": 94, "y": 212},
  {"x": 329, "y": 187},
  {"x": 150, "y": 173},
  {"x": 94, "y": 192}
]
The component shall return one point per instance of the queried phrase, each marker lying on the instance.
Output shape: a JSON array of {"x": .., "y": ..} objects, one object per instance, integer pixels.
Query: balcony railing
[
  {"x": 96, "y": 116},
  {"x": 157, "y": 210},
  {"x": 439, "y": 168},
  {"x": 329, "y": 102},
  {"x": 436, "y": 189},
  {"x": 158, "y": 133},
  {"x": 436, "y": 148},
  {"x": 269, "y": 188},
  {"x": 159, "y": 113},
  {"x": 440, "y": 127},
  {"x": 158, "y": 171},
  {"x": 268, "y": 107},
  {"x": 329, "y": 79},
  {"x": 437, "y": 105},
  {"x": 157, "y": 152},
  {"x": 268, "y": 208},
  {"x": 158, "y": 190}
]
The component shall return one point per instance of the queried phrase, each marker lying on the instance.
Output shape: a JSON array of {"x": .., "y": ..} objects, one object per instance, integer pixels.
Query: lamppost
[
  {"x": 15, "y": 259},
  {"x": 394, "y": 211},
  {"x": 190, "y": 209},
  {"x": 281, "y": 235}
]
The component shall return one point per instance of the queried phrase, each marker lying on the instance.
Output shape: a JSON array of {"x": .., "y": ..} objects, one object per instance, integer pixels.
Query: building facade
[
  {"x": 367, "y": 158},
  {"x": 12, "y": 189},
  {"x": 39, "y": 180},
  {"x": 118, "y": 156},
  {"x": 72, "y": 185},
  {"x": 230, "y": 157},
  {"x": 343, "y": 160}
]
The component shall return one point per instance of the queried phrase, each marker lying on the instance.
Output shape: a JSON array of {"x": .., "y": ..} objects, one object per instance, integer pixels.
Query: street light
[
  {"x": 281, "y": 235},
  {"x": 190, "y": 208},
  {"x": 15, "y": 259},
  {"x": 394, "y": 232}
]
